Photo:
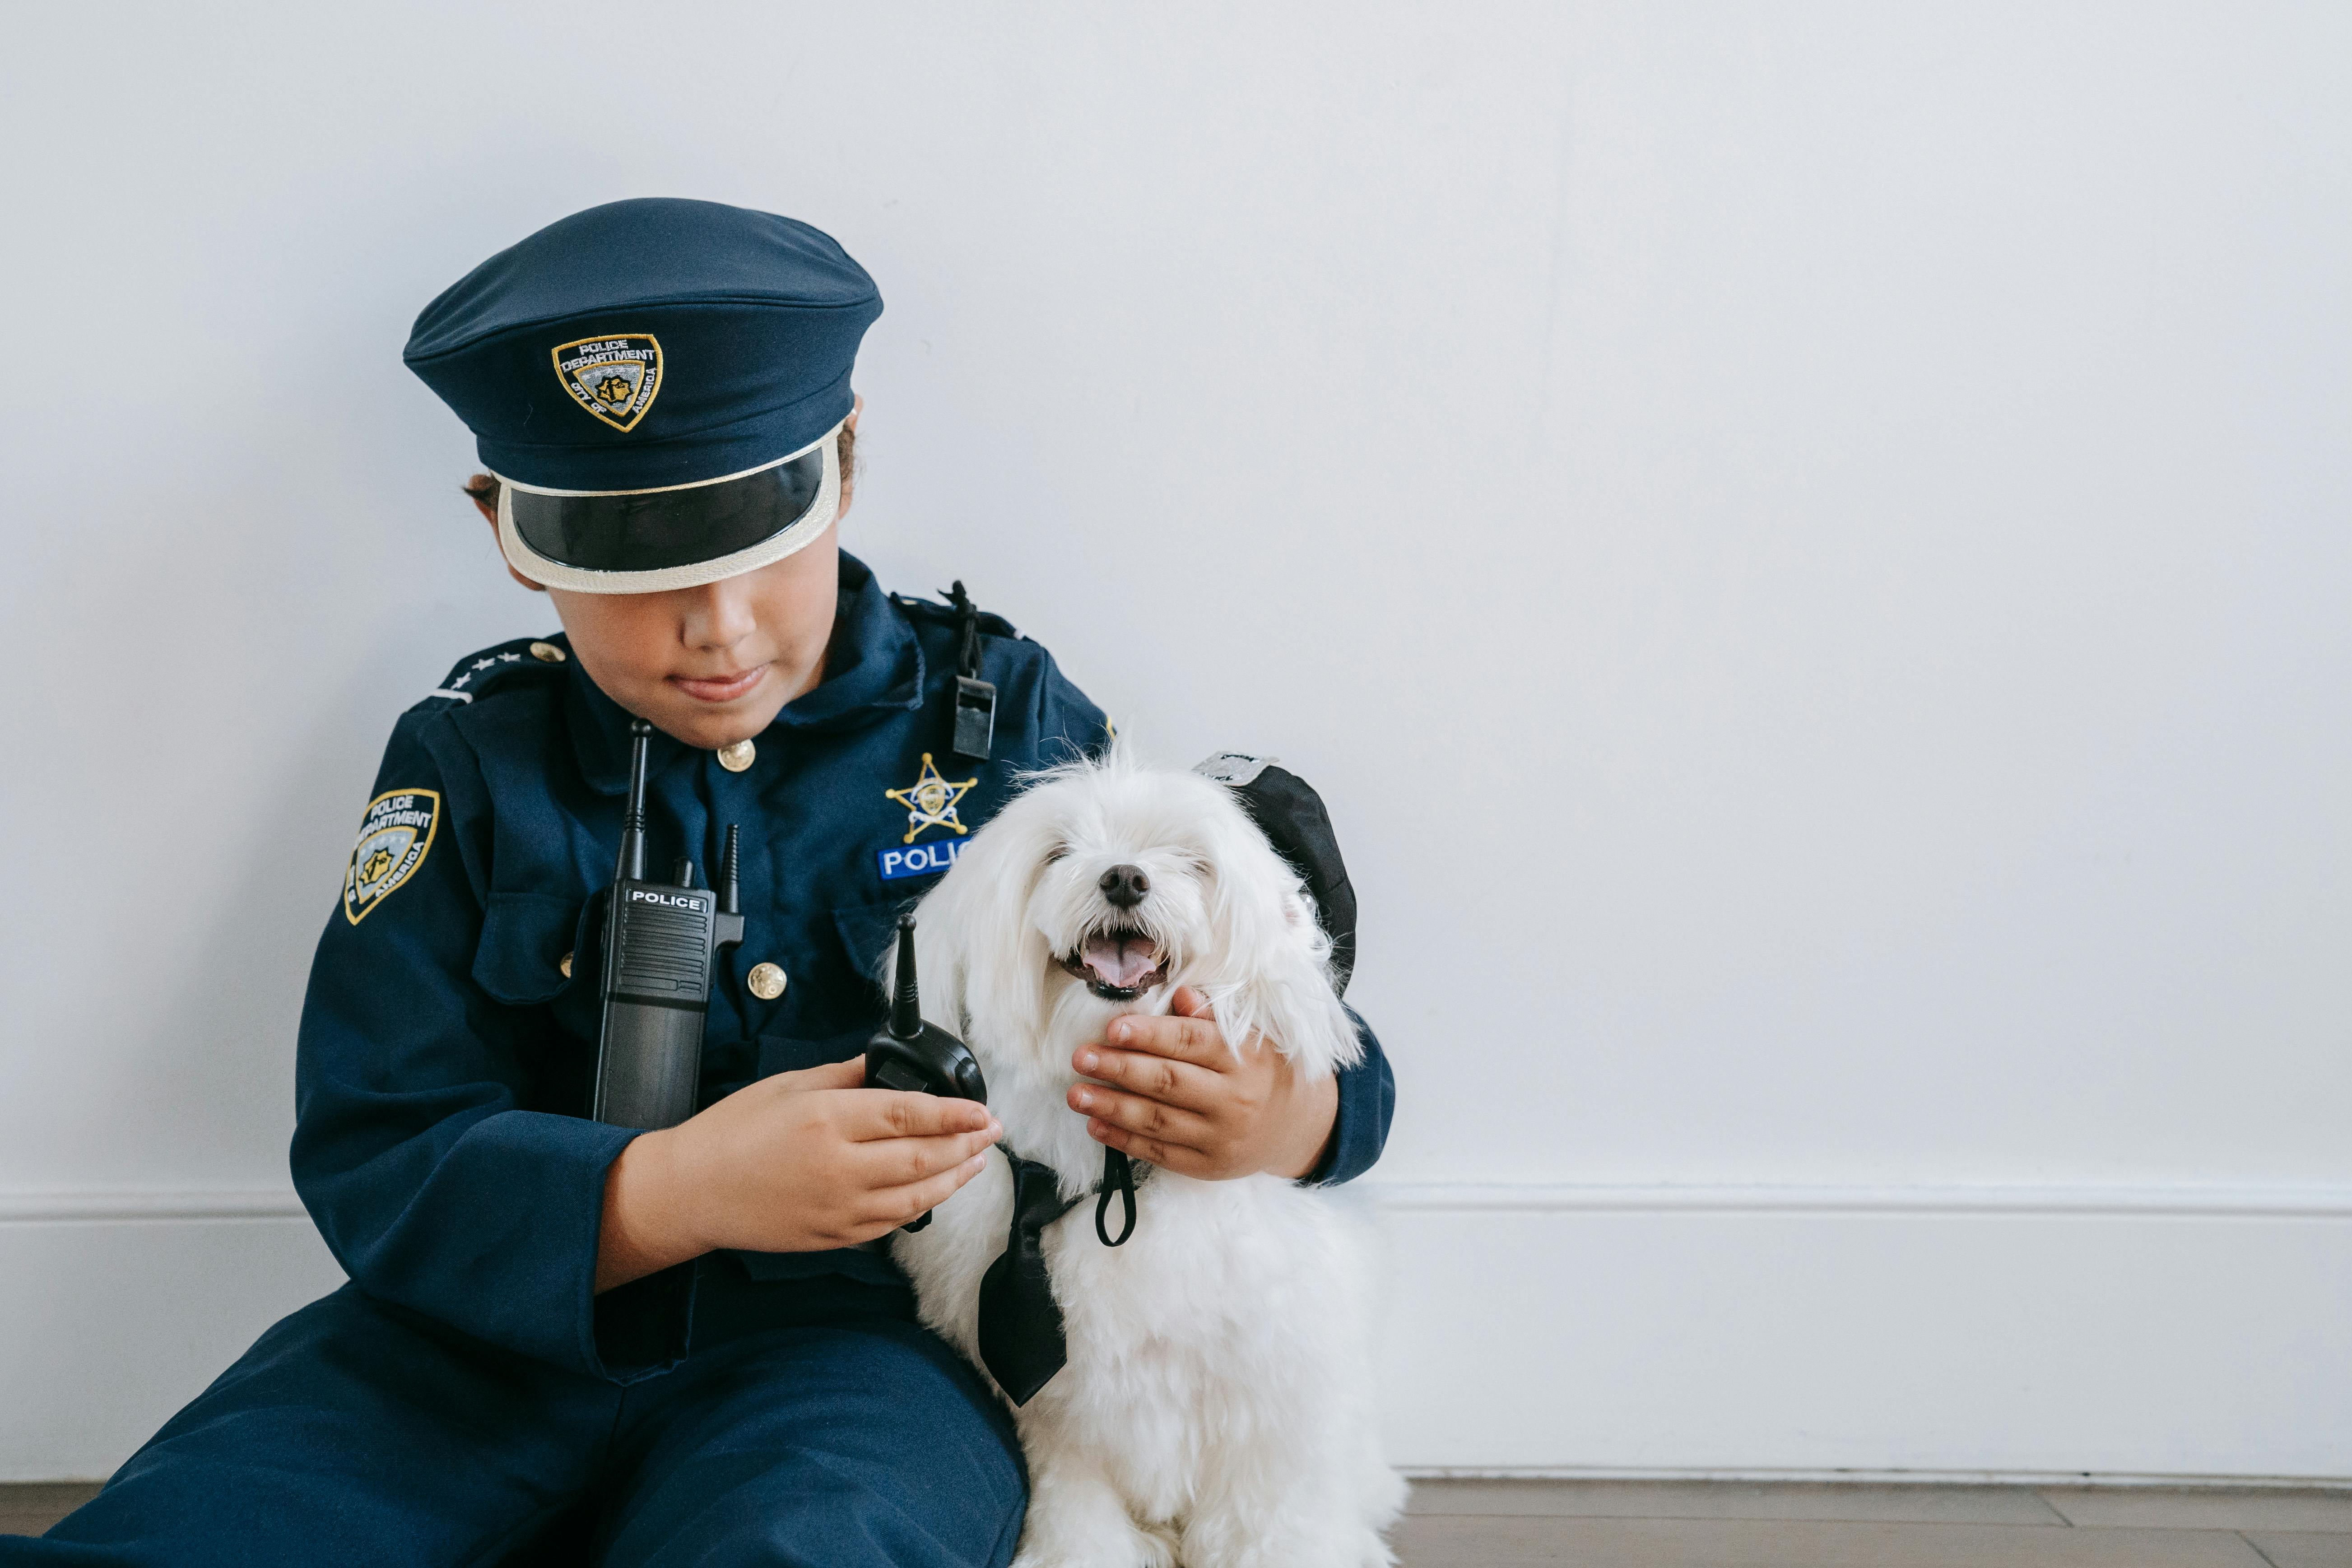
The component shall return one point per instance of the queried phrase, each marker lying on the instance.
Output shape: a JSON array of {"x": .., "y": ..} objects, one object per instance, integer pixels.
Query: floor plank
[
  {"x": 2291, "y": 1549},
  {"x": 28, "y": 1508},
  {"x": 2203, "y": 1508},
  {"x": 1498, "y": 1540},
  {"x": 1851, "y": 1501}
]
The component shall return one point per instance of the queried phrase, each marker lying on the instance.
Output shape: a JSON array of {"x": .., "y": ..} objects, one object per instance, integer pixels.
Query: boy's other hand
[
  {"x": 802, "y": 1161},
  {"x": 1180, "y": 1097}
]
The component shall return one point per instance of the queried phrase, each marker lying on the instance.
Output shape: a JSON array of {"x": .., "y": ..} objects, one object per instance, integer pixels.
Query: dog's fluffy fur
[{"x": 1217, "y": 1407}]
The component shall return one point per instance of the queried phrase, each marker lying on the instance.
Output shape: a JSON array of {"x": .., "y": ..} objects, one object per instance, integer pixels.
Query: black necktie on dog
[{"x": 1022, "y": 1342}]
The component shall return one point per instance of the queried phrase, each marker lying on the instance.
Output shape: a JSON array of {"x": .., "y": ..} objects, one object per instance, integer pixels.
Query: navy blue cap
[{"x": 649, "y": 344}]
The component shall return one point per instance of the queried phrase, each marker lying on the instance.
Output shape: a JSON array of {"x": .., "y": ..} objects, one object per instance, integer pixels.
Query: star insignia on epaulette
[{"x": 931, "y": 801}]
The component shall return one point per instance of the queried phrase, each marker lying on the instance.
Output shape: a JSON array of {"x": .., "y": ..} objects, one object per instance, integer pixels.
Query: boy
[{"x": 565, "y": 1341}]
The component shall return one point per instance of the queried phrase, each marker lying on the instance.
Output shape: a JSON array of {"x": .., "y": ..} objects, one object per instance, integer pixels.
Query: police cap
[{"x": 657, "y": 385}]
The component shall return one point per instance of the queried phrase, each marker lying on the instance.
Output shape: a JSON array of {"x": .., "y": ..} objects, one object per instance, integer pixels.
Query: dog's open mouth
[{"x": 1117, "y": 965}]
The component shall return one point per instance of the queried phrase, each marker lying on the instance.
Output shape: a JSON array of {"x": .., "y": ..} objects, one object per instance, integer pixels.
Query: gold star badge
[{"x": 931, "y": 801}]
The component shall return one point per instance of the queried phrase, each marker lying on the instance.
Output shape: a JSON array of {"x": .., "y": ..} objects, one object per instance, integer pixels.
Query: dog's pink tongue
[{"x": 1120, "y": 962}]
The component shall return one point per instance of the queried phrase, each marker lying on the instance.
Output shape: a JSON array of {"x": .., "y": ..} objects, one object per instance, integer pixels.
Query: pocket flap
[
  {"x": 525, "y": 937},
  {"x": 866, "y": 931}
]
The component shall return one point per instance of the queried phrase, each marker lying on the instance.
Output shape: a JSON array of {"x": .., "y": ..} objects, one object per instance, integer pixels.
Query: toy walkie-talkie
[
  {"x": 922, "y": 1058},
  {"x": 659, "y": 941}
]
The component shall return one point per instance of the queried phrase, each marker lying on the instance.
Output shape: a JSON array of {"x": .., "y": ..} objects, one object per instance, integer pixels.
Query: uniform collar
[{"x": 874, "y": 669}]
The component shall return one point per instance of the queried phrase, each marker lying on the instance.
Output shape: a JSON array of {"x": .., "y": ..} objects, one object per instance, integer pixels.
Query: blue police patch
[{"x": 899, "y": 863}]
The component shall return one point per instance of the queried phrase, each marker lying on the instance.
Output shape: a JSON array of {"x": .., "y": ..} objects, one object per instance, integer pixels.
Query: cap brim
[{"x": 587, "y": 541}]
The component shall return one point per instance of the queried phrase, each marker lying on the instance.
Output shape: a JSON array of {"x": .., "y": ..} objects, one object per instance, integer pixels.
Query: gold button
[
  {"x": 546, "y": 653},
  {"x": 738, "y": 756},
  {"x": 564, "y": 963},
  {"x": 766, "y": 981}
]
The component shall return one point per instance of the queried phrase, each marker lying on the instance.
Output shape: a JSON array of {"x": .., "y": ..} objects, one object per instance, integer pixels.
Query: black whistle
[
  {"x": 661, "y": 941},
  {"x": 922, "y": 1058}
]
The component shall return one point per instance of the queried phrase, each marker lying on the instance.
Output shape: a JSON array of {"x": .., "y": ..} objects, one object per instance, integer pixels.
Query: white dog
[{"x": 1216, "y": 1409}]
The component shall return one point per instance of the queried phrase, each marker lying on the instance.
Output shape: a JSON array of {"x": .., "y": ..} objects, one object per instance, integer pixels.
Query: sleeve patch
[{"x": 395, "y": 836}]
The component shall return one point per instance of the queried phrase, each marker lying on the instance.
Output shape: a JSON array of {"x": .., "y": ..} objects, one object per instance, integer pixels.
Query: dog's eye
[{"x": 1059, "y": 852}]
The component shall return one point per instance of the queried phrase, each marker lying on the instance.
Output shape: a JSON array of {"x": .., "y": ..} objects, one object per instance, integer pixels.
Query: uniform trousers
[{"x": 358, "y": 1433}]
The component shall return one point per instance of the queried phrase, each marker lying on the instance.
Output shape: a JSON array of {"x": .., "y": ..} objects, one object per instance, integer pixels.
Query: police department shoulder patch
[
  {"x": 614, "y": 378},
  {"x": 395, "y": 836}
]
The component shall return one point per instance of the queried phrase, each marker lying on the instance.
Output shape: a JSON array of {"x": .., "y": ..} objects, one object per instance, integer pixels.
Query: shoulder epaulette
[
  {"x": 505, "y": 664},
  {"x": 991, "y": 623}
]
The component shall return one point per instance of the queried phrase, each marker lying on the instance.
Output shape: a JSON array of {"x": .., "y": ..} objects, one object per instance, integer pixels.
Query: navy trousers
[{"x": 357, "y": 1432}]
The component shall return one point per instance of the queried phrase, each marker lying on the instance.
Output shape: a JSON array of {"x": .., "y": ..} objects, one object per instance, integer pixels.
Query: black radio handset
[
  {"x": 910, "y": 1054},
  {"x": 660, "y": 942}
]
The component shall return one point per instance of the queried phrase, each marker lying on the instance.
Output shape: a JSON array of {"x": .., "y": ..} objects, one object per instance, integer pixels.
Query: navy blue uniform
[{"x": 467, "y": 1397}]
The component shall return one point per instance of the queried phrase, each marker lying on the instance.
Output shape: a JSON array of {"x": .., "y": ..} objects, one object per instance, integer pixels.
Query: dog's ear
[
  {"x": 980, "y": 957},
  {"x": 1275, "y": 972}
]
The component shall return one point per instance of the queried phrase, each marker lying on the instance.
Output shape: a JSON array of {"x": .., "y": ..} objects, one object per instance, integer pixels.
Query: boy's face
[{"x": 711, "y": 665}]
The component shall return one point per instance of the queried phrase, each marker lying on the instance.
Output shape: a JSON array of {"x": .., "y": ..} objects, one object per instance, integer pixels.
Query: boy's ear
[
  {"x": 489, "y": 511},
  {"x": 845, "y": 449}
]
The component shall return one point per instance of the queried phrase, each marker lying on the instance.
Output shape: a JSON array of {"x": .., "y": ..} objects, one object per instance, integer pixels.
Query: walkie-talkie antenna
[
  {"x": 730, "y": 889},
  {"x": 906, "y": 1006},
  {"x": 633, "y": 825}
]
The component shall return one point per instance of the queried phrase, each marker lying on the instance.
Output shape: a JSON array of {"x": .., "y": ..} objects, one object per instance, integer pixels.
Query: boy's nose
[
  {"x": 721, "y": 615},
  {"x": 1125, "y": 886}
]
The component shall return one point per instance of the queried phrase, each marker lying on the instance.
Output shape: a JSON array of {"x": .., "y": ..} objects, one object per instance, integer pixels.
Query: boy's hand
[
  {"x": 798, "y": 1163},
  {"x": 1183, "y": 1100}
]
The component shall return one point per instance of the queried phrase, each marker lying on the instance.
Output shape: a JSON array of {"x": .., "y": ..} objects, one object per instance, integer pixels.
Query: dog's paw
[
  {"x": 1136, "y": 1549},
  {"x": 1340, "y": 1546}
]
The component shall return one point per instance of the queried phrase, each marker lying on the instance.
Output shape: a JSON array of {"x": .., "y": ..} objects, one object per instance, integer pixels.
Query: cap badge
[{"x": 616, "y": 379}]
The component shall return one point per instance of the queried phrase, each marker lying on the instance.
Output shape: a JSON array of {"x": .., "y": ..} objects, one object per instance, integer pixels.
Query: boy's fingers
[
  {"x": 879, "y": 1113},
  {"x": 1152, "y": 1151},
  {"x": 1196, "y": 1040},
  {"x": 889, "y": 1162},
  {"x": 890, "y": 1207},
  {"x": 1135, "y": 1113},
  {"x": 1177, "y": 1083},
  {"x": 850, "y": 1073}
]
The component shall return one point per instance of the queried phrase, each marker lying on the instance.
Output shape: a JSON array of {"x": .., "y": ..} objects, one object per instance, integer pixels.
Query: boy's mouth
[{"x": 719, "y": 689}]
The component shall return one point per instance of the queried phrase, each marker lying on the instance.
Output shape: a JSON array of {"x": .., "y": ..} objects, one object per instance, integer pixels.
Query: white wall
[{"x": 1806, "y": 545}]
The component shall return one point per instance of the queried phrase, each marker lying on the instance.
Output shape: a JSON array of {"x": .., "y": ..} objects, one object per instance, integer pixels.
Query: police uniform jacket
[{"x": 449, "y": 1035}]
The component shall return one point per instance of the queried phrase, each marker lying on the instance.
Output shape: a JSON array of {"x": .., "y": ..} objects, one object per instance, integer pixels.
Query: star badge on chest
[{"x": 931, "y": 801}]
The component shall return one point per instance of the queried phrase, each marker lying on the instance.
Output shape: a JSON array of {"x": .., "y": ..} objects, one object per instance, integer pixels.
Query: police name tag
[{"x": 899, "y": 863}]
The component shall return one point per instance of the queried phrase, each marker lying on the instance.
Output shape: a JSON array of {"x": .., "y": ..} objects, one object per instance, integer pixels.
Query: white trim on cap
[{"x": 788, "y": 541}]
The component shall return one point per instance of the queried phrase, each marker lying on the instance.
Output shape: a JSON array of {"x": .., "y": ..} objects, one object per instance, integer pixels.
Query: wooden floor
[{"x": 1691, "y": 1525}]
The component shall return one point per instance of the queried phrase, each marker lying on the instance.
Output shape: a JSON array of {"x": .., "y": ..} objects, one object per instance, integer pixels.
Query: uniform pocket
[
  {"x": 866, "y": 931},
  {"x": 526, "y": 937}
]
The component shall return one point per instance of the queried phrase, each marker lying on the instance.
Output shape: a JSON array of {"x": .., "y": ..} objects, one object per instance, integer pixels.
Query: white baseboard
[{"x": 2116, "y": 1335}]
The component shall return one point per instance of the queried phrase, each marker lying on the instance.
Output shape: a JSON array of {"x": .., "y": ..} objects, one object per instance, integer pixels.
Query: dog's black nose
[{"x": 1125, "y": 886}]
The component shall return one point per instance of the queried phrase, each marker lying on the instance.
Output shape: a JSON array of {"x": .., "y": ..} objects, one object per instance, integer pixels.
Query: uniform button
[
  {"x": 546, "y": 653},
  {"x": 564, "y": 963},
  {"x": 738, "y": 756},
  {"x": 766, "y": 981}
]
